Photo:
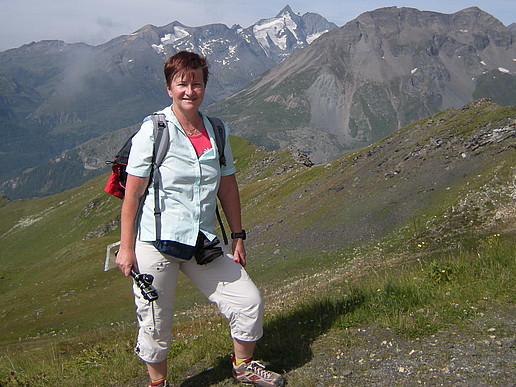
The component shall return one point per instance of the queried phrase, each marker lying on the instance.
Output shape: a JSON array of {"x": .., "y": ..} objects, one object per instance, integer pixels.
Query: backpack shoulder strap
[
  {"x": 220, "y": 140},
  {"x": 161, "y": 144},
  {"x": 161, "y": 138},
  {"x": 220, "y": 137}
]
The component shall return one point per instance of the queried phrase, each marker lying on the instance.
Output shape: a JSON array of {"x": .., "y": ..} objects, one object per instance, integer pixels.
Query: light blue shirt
[{"x": 188, "y": 192}]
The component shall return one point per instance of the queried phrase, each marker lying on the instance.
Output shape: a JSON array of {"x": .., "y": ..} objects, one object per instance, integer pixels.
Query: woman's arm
[
  {"x": 135, "y": 189},
  {"x": 230, "y": 199}
]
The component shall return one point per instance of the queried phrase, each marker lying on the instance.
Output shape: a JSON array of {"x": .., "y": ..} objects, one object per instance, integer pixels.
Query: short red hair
[{"x": 185, "y": 63}]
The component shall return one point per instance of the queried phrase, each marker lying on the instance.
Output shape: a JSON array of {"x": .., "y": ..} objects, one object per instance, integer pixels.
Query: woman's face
[{"x": 187, "y": 91}]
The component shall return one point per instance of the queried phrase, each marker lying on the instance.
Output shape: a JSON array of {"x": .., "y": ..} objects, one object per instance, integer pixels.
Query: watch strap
[{"x": 236, "y": 235}]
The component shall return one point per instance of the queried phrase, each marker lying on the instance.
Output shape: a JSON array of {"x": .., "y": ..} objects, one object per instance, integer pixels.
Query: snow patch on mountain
[
  {"x": 275, "y": 30},
  {"x": 273, "y": 38},
  {"x": 176, "y": 34},
  {"x": 312, "y": 37}
]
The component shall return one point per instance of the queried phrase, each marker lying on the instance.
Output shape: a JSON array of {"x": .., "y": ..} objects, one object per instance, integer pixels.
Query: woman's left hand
[{"x": 239, "y": 254}]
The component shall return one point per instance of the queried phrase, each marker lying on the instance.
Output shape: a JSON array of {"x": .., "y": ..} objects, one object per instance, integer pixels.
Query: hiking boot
[{"x": 254, "y": 373}]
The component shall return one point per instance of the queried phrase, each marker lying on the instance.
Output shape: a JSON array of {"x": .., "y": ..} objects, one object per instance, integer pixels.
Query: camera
[
  {"x": 144, "y": 282},
  {"x": 206, "y": 250}
]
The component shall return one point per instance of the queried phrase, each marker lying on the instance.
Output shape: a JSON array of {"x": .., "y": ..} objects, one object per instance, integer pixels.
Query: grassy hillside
[
  {"x": 427, "y": 173},
  {"x": 53, "y": 248},
  {"x": 368, "y": 239}
]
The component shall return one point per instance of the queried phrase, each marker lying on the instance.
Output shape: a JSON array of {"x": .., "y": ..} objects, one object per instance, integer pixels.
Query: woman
[{"x": 191, "y": 181}]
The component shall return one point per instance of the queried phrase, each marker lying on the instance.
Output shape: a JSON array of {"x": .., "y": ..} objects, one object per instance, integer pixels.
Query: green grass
[
  {"x": 314, "y": 251},
  {"x": 440, "y": 289},
  {"x": 414, "y": 298}
]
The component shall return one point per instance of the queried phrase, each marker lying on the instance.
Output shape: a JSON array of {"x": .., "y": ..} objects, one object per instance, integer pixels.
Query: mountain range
[
  {"x": 379, "y": 72},
  {"x": 55, "y": 96},
  {"x": 281, "y": 82}
]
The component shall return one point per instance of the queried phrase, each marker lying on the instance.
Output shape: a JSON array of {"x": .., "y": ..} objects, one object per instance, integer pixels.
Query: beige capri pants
[{"x": 222, "y": 282}]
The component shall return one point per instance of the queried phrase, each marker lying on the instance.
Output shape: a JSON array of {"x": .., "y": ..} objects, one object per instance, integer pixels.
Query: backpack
[{"x": 118, "y": 178}]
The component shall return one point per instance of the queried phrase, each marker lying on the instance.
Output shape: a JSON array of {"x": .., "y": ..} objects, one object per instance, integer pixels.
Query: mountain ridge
[
  {"x": 57, "y": 95},
  {"x": 325, "y": 99},
  {"x": 378, "y": 72}
]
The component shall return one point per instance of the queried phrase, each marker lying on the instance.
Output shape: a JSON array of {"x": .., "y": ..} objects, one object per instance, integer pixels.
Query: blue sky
[{"x": 97, "y": 21}]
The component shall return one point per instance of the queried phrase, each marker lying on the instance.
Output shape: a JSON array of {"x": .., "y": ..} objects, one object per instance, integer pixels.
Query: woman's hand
[
  {"x": 126, "y": 260},
  {"x": 239, "y": 254}
]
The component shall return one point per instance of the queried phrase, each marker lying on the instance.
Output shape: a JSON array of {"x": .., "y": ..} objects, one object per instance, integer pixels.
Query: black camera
[
  {"x": 144, "y": 282},
  {"x": 206, "y": 250}
]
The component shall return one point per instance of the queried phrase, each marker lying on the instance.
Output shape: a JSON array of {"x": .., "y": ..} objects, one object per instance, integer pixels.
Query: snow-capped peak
[
  {"x": 275, "y": 30},
  {"x": 277, "y": 37}
]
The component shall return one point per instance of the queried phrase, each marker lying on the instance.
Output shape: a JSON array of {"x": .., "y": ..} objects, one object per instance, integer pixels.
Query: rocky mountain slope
[
  {"x": 55, "y": 96},
  {"x": 377, "y": 73},
  {"x": 439, "y": 170}
]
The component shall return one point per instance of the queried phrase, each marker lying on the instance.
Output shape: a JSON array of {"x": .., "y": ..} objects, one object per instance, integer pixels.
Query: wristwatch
[{"x": 241, "y": 235}]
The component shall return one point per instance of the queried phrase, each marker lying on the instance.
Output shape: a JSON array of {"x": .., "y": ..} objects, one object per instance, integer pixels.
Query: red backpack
[{"x": 118, "y": 178}]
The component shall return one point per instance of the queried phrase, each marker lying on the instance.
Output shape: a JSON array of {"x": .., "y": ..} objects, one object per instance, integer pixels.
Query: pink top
[{"x": 201, "y": 142}]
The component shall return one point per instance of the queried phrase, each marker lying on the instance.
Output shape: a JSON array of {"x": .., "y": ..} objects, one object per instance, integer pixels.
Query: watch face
[{"x": 236, "y": 235}]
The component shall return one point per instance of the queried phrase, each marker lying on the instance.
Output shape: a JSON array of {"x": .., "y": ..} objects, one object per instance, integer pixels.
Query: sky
[{"x": 97, "y": 21}]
